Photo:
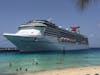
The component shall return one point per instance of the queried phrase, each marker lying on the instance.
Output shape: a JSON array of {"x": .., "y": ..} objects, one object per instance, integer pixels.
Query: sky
[{"x": 64, "y": 13}]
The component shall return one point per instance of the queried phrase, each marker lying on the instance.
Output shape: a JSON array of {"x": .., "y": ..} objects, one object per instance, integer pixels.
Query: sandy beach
[{"x": 94, "y": 70}]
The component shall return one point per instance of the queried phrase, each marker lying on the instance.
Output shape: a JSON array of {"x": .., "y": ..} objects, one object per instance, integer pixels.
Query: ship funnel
[{"x": 74, "y": 28}]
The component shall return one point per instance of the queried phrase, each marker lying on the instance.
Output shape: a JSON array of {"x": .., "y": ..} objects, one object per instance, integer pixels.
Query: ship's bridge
[{"x": 31, "y": 29}]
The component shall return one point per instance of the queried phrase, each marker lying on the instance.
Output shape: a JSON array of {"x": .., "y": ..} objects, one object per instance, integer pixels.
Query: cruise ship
[{"x": 43, "y": 35}]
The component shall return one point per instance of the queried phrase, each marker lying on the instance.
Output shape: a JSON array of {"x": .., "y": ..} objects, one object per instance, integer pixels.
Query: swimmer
[
  {"x": 26, "y": 69},
  {"x": 35, "y": 61},
  {"x": 20, "y": 68},
  {"x": 10, "y": 64},
  {"x": 17, "y": 69}
]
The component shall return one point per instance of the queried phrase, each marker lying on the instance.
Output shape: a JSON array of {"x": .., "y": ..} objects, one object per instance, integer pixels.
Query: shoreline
[{"x": 89, "y": 70}]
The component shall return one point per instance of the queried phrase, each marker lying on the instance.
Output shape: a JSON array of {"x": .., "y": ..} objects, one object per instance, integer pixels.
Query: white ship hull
[
  {"x": 46, "y": 36},
  {"x": 42, "y": 43}
]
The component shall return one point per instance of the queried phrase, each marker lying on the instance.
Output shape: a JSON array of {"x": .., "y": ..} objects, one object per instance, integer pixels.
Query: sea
[{"x": 16, "y": 62}]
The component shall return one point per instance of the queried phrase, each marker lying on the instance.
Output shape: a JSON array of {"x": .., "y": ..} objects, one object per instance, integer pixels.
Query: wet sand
[{"x": 94, "y": 70}]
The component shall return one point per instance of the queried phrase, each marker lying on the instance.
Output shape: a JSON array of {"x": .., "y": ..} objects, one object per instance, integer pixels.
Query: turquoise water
[{"x": 14, "y": 62}]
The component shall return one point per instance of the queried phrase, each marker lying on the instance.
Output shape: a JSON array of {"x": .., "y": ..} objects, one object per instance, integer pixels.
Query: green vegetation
[{"x": 82, "y": 4}]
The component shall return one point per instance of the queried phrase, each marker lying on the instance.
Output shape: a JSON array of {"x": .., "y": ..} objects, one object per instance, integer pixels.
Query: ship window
[
  {"x": 39, "y": 27},
  {"x": 30, "y": 27},
  {"x": 50, "y": 31},
  {"x": 25, "y": 27}
]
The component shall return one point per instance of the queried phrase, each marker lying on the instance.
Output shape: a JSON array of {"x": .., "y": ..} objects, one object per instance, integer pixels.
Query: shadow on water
[{"x": 84, "y": 51}]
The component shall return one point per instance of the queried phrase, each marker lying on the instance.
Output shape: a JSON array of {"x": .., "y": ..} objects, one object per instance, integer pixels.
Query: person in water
[
  {"x": 26, "y": 69},
  {"x": 10, "y": 64},
  {"x": 35, "y": 61}
]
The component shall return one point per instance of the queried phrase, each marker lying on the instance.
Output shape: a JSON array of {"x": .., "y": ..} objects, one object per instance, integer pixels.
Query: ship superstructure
[{"x": 43, "y": 35}]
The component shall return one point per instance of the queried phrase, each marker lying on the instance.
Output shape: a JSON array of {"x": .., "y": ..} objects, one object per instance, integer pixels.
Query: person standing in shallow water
[
  {"x": 10, "y": 64},
  {"x": 20, "y": 68},
  {"x": 35, "y": 61},
  {"x": 26, "y": 69},
  {"x": 17, "y": 69}
]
